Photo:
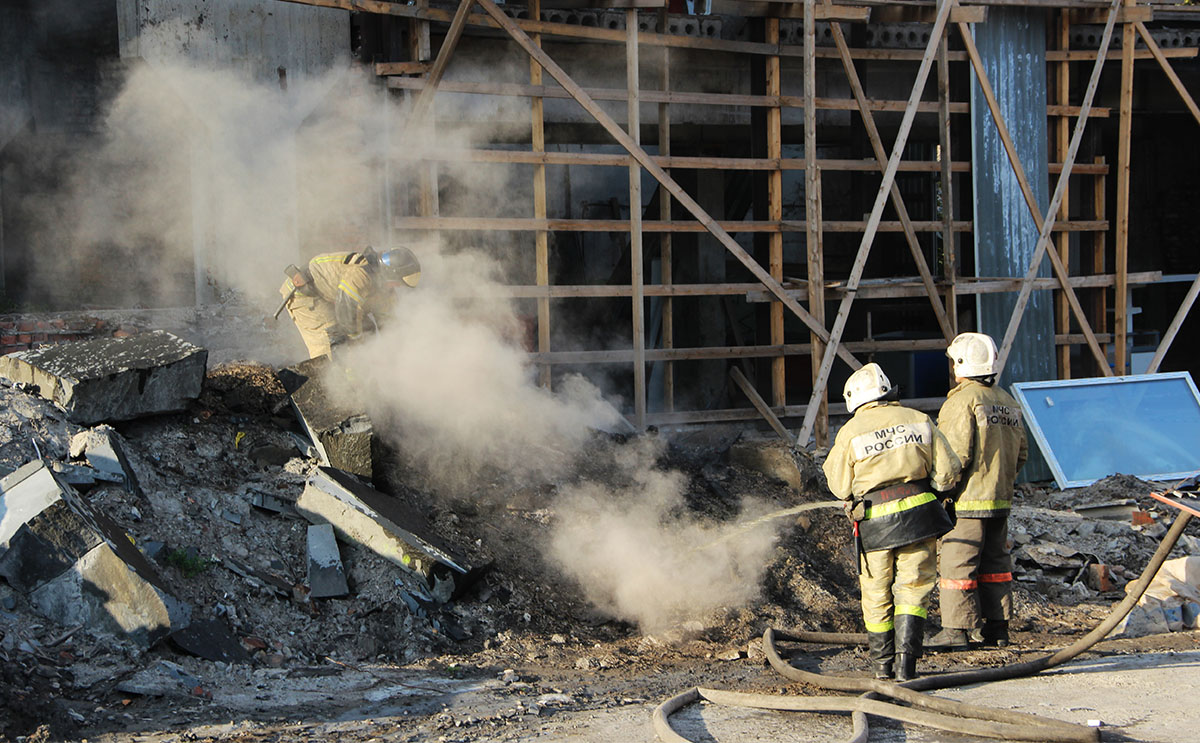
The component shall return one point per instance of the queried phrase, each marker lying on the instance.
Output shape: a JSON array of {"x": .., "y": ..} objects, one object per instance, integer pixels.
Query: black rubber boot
[
  {"x": 881, "y": 646},
  {"x": 995, "y": 632},
  {"x": 950, "y": 640},
  {"x": 909, "y": 636}
]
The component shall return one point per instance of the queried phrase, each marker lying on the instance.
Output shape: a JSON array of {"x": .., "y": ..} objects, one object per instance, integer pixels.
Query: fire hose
[{"x": 923, "y": 709}]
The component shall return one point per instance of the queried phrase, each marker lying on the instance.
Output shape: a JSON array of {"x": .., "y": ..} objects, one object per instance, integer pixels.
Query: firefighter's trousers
[
  {"x": 314, "y": 319},
  {"x": 897, "y": 581},
  {"x": 976, "y": 573}
]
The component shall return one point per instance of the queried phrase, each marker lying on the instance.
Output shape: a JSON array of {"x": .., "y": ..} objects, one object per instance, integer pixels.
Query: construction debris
[
  {"x": 112, "y": 379},
  {"x": 326, "y": 576},
  {"x": 384, "y": 525},
  {"x": 342, "y": 434},
  {"x": 76, "y": 566},
  {"x": 104, "y": 450}
]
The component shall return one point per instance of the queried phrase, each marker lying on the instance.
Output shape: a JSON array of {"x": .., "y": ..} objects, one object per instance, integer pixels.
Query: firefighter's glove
[{"x": 855, "y": 508}]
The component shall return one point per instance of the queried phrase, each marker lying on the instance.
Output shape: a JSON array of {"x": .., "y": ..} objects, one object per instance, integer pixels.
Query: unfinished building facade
[{"x": 720, "y": 210}]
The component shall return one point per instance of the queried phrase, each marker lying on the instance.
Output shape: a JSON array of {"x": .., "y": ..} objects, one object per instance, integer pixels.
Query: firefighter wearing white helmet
[
  {"x": 888, "y": 462},
  {"x": 330, "y": 299},
  {"x": 983, "y": 425}
]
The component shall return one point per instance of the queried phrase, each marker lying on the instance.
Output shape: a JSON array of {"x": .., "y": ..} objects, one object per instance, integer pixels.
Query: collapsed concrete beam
[
  {"x": 386, "y": 526},
  {"x": 75, "y": 565},
  {"x": 112, "y": 379},
  {"x": 341, "y": 432},
  {"x": 326, "y": 576}
]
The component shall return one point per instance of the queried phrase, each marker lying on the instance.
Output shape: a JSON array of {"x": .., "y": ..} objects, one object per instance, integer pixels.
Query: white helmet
[
  {"x": 973, "y": 354},
  {"x": 865, "y": 385}
]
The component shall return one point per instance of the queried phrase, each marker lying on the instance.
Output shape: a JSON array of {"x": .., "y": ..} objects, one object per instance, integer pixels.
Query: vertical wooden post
[
  {"x": 816, "y": 298},
  {"x": 1121, "y": 289},
  {"x": 541, "y": 237},
  {"x": 635, "y": 221},
  {"x": 775, "y": 210},
  {"x": 1062, "y": 309},
  {"x": 1099, "y": 258},
  {"x": 664, "y": 213},
  {"x": 812, "y": 217},
  {"x": 949, "y": 241}
]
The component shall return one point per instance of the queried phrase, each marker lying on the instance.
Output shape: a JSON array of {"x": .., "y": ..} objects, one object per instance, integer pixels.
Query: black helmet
[{"x": 400, "y": 265}]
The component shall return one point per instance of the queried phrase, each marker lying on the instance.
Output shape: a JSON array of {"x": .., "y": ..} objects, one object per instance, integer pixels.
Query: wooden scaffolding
[{"x": 1086, "y": 292}]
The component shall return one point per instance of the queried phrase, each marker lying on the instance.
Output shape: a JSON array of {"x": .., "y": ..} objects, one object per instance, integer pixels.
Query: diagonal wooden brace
[
  {"x": 910, "y": 235},
  {"x": 643, "y": 158},
  {"x": 868, "y": 238},
  {"x": 1045, "y": 227},
  {"x": 453, "y": 34}
]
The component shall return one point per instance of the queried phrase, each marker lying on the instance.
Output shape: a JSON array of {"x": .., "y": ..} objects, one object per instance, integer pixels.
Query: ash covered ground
[{"x": 526, "y": 650}]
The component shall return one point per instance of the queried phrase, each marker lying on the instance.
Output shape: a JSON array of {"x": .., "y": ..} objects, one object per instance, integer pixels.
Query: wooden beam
[
  {"x": 541, "y": 238},
  {"x": 1060, "y": 55},
  {"x": 945, "y": 153},
  {"x": 666, "y": 259},
  {"x": 449, "y": 43},
  {"x": 814, "y": 247},
  {"x": 1062, "y": 126},
  {"x": 926, "y": 14},
  {"x": 910, "y": 235},
  {"x": 1124, "y": 132},
  {"x": 1046, "y": 226},
  {"x": 864, "y": 248},
  {"x": 774, "y": 122},
  {"x": 648, "y": 163},
  {"x": 632, "y": 85},
  {"x": 1099, "y": 256},
  {"x": 529, "y": 224},
  {"x": 760, "y": 404},
  {"x": 403, "y": 68}
]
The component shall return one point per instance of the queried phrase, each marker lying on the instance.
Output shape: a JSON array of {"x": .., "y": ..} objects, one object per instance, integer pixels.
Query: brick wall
[{"x": 23, "y": 332}]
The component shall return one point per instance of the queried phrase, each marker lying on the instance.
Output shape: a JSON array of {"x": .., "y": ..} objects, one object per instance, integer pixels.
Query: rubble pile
[{"x": 271, "y": 569}]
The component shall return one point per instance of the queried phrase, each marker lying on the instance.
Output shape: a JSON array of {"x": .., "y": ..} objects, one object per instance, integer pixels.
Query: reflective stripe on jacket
[
  {"x": 884, "y": 445},
  {"x": 985, "y": 428}
]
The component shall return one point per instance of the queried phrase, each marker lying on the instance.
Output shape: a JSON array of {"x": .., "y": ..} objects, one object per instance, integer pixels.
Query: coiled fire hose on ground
[{"x": 923, "y": 709}]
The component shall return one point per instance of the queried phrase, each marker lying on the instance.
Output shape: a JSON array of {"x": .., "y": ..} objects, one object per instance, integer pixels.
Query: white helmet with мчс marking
[
  {"x": 866, "y": 385},
  {"x": 973, "y": 354}
]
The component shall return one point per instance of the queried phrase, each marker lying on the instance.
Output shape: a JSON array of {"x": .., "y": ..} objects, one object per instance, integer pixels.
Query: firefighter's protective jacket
[
  {"x": 343, "y": 279},
  {"x": 892, "y": 458},
  {"x": 984, "y": 427}
]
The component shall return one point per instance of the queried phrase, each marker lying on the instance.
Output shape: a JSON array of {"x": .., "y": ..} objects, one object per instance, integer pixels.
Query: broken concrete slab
[
  {"x": 113, "y": 379},
  {"x": 341, "y": 433},
  {"x": 104, "y": 450},
  {"x": 326, "y": 576},
  {"x": 210, "y": 639},
  {"x": 386, "y": 526},
  {"x": 77, "y": 566}
]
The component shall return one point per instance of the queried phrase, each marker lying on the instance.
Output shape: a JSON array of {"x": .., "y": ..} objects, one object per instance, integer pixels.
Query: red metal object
[{"x": 1183, "y": 501}]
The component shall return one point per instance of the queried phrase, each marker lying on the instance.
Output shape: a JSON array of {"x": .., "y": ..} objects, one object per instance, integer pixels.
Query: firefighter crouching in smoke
[
  {"x": 333, "y": 296},
  {"x": 886, "y": 463},
  {"x": 983, "y": 425}
]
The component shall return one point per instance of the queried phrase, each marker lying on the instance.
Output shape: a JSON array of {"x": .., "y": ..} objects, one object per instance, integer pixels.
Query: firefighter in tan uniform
[
  {"x": 886, "y": 463},
  {"x": 983, "y": 424},
  {"x": 331, "y": 298}
]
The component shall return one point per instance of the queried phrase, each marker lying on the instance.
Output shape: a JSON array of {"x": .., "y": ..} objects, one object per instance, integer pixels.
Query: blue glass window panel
[{"x": 1146, "y": 425}]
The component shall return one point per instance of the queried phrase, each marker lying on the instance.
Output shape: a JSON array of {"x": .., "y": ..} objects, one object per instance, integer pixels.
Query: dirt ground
[{"x": 522, "y": 653}]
